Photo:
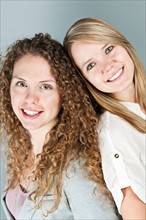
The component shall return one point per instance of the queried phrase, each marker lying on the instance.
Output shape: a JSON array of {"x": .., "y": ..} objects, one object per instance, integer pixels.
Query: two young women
[
  {"x": 54, "y": 165},
  {"x": 110, "y": 68}
]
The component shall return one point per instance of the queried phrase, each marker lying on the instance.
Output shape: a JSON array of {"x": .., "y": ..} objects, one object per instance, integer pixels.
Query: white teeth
[
  {"x": 116, "y": 75},
  {"x": 28, "y": 112}
]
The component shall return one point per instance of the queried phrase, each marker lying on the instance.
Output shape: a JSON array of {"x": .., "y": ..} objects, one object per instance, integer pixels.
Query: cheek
[
  {"x": 58, "y": 103},
  {"x": 131, "y": 64},
  {"x": 16, "y": 99},
  {"x": 94, "y": 79},
  {"x": 53, "y": 101},
  {"x": 13, "y": 97},
  {"x": 18, "y": 93},
  {"x": 14, "y": 103}
]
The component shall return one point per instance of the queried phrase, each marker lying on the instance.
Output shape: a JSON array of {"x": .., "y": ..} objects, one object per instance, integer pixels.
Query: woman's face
[
  {"x": 108, "y": 67},
  {"x": 35, "y": 96}
]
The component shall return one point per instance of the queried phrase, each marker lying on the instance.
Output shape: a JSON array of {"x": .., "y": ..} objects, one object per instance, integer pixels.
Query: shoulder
[
  {"x": 80, "y": 192},
  {"x": 76, "y": 171},
  {"x": 123, "y": 155},
  {"x": 110, "y": 120},
  {"x": 3, "y": 168},
  {"x": 116, "y": 131}
]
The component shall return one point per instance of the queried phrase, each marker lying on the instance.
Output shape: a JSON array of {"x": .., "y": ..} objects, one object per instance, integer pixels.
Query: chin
[{"x": 30, "y": 127}]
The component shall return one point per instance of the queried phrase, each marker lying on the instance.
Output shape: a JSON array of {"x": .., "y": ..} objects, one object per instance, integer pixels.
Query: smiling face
[
  {"x": 35, "y": 96},
  {"x": 108, "y": 67}
]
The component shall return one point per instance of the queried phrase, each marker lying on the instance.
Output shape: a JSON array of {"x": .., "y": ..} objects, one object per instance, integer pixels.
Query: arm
[
  {"x": 125, "y": 174},
  {"x": 132, "y": 207}
]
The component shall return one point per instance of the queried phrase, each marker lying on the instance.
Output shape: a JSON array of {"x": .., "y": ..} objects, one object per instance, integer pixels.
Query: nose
[
  {"x": 106, "y": 65},
  {"x": 32, "y": 97}
]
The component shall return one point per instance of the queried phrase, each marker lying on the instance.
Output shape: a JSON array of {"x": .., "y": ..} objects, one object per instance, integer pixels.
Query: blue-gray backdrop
[{"x": 21, "y": 18}]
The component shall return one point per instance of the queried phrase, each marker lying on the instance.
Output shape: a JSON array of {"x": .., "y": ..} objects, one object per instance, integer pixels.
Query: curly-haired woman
[{"x": 54, "y": 164}]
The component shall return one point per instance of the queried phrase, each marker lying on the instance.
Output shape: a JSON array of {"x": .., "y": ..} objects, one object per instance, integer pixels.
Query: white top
[{"x": 123, "y": 151}]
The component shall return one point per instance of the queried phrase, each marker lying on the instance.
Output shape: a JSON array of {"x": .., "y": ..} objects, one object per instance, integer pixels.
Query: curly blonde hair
[
  {"x": 73, "y": 137},
  {"x": 97, "y": 31}
]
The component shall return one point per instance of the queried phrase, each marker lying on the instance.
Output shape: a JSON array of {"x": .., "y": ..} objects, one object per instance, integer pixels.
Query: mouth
[
  {"x": 31, "y": 113},
  {"x": 116, "y": 75}
]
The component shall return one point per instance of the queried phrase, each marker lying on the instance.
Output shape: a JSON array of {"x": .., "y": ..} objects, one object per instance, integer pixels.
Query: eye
[
  {"x": 46, "y": 87},
  {"x": 21, "y": 84},
  {"x": 90, "y": 66},
  {"x": 109, "y": 49}
]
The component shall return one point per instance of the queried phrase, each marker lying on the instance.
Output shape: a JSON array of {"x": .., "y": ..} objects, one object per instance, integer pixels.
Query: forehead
[
  {"x": 31, "y": 62},
  {"x": 29, "y": 59},
  {"x": 82, "y": 46},
  {"x": 32, "y": 66},
  {"x": 81, "y": 51}
]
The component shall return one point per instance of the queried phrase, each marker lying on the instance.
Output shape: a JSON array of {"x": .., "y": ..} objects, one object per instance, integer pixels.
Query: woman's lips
[
  {"x": 31, "y": 114},
  {"x": 116, "y": 75}
]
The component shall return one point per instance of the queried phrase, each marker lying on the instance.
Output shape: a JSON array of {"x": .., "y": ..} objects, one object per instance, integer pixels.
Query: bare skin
[{"x": 132, "y": 207}]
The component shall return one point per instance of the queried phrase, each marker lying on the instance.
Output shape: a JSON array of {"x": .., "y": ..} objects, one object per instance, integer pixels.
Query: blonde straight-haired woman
[{"x": 112, "y": 71}]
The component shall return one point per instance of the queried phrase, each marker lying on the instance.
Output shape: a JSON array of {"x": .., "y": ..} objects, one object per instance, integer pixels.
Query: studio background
[{"x": 24, "y": 18}]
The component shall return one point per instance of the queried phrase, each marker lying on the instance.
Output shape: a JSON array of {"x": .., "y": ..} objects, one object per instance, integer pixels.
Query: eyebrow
[
  {"x": 91, "y": 58},
  {"x": 86, "y": 62},
  {"x": 48, "y": 80},
  {"x": 16, "y": 77},
  {"x": 104, "y": 46},
  {"x": 43, "y": 81}
]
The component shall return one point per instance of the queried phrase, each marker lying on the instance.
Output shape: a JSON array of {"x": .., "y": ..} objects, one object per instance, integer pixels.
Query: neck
[
  {"x": 127, "y": 95},
  {"x": 37, "y": 139}
]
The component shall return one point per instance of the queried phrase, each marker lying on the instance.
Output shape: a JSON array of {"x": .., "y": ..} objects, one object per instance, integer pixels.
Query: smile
[
  {"x": 30, "y": 114},
  {"x": 116, "y": 75}
]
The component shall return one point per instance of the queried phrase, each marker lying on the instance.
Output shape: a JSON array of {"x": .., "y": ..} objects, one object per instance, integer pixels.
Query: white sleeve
[{"x": 123, "y": 153}]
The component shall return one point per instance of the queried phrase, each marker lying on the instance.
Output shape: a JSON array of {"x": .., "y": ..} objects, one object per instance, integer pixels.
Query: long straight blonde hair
[{"x": 96, "y": 30}]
